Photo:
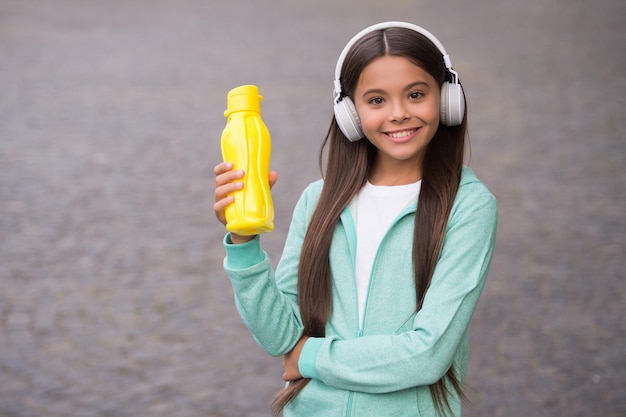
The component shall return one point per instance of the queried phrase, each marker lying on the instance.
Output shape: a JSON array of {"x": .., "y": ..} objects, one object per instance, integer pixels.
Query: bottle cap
[{"x": 244, "y": 97}]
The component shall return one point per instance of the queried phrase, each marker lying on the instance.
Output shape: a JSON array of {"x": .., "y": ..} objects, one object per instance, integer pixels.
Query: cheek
[{"x": 432, "y": 113}]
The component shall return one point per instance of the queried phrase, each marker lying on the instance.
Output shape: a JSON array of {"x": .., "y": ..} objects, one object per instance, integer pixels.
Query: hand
[
  {"x": 290, "y": 361},
  {"x": 227, "y": 181}
]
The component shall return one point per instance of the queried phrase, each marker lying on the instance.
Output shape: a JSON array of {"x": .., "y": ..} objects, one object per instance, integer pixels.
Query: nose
[{"x": 399, "y": 112}]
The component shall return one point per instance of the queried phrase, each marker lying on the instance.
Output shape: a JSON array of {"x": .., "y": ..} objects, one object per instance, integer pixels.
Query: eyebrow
[{"x": 407, "y": 88}]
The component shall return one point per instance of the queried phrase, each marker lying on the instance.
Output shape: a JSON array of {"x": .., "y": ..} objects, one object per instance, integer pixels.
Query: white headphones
[{"x": 452, "y": 98}]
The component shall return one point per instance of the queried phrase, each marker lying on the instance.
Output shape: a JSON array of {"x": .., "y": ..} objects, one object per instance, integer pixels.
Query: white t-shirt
[{"x": 377, "y": 206}]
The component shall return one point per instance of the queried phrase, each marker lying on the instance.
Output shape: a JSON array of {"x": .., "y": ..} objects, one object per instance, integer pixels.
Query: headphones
[{"x": 452, "y": 98}]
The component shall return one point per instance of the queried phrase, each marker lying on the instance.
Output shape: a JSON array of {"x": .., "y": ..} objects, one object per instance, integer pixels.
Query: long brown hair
[{"x": 347, "y": 169}]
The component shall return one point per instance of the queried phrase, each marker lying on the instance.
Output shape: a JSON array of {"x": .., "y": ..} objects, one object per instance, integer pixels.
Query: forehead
[{"x": 392, "y": 71}]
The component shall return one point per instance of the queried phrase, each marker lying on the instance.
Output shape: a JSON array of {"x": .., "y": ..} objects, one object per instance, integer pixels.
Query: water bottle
[{"x": 247, "y": 144}]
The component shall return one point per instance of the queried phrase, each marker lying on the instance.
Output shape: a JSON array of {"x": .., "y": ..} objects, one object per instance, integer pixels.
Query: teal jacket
[{"x": 385, "y": 367}]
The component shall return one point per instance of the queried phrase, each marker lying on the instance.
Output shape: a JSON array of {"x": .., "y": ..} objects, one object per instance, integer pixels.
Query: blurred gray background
[{"x": 112, "y": 297}]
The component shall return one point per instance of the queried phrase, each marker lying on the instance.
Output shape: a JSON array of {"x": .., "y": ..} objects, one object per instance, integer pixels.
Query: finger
[
  {"x": 223, "y": 191},
  {"x": 273, "y": 177},
  {"x": 228, "y": 176},
  {"x": 222, "y": 167},
  {"x": 223, "y": 197},
  {"x": 220, "y": 205},
  {"x": 219, "y": 213},
  {"x": 287, "y": 376}
]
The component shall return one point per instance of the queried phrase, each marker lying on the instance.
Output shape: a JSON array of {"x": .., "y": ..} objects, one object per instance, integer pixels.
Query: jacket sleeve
[
  {"x": 267, "y": 301},
  {"x": 421, "y": 356}
]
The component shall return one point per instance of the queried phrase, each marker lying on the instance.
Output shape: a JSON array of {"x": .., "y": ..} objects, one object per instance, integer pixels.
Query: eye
[
  {"x": 376, "y": 101},
  {"x": 416, "y": 95}
]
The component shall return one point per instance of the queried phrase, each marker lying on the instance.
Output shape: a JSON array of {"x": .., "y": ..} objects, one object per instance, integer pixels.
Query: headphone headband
[{"x": 384, "y": 25}]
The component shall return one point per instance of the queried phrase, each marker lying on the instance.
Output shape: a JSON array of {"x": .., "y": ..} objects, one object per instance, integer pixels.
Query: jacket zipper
[
  {"x": 375, "y": 261},
  {"x": 369, "y": 284},
  {"x": 361, "y": 326},
  {"x": 349, "y": 410}
]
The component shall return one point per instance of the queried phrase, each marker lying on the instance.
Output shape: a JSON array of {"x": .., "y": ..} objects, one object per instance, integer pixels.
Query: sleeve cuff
[
  {"x": 308, "y": 355},
  {"x": 243, "y": 255}
]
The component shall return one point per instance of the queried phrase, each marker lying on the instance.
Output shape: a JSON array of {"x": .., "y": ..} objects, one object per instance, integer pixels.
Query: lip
[{"x": 401, "y": 136}]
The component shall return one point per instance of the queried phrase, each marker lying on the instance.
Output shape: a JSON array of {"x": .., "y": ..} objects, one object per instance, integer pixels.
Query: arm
[
  {"x": 386, "y": 363},
  {"x": 268, "y": 301}
]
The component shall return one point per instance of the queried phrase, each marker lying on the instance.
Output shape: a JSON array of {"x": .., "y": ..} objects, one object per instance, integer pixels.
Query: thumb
[{"x": 273, "y": 177}]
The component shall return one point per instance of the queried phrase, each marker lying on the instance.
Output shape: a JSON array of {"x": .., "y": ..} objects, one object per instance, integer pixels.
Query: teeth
[{"x": 401, "y": 134}]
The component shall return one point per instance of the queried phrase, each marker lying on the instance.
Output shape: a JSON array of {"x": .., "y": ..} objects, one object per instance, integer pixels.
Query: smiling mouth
[{"x": 402, "y": 134}]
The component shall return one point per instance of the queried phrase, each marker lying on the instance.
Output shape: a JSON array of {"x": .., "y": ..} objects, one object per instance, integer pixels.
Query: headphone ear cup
[
  {"x": 452, "y": 104},
  {"x": 348, "y": 119}
]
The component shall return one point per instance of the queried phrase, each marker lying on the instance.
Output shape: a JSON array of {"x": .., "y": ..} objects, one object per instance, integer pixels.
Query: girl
[{"x": 387, "y": 255}]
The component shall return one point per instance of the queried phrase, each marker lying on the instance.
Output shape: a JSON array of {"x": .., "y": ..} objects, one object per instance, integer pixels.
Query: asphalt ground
[{"x": 113, "y": 301}]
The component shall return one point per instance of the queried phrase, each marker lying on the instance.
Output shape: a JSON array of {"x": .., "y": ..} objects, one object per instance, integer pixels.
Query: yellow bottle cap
[{"x": 243, "y": 98}]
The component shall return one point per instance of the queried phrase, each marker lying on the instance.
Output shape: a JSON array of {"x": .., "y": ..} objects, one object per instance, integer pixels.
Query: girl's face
[{"x": 398, "y": 104}]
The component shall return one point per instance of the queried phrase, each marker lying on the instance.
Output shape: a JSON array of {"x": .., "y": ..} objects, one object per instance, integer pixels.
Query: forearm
[
  {"x": 382, "y": 363},
  {"x": 270, "y": 315}
]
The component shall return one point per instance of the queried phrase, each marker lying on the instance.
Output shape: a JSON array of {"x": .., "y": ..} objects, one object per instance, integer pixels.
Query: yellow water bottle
[{"x": 247, "y": 144}]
